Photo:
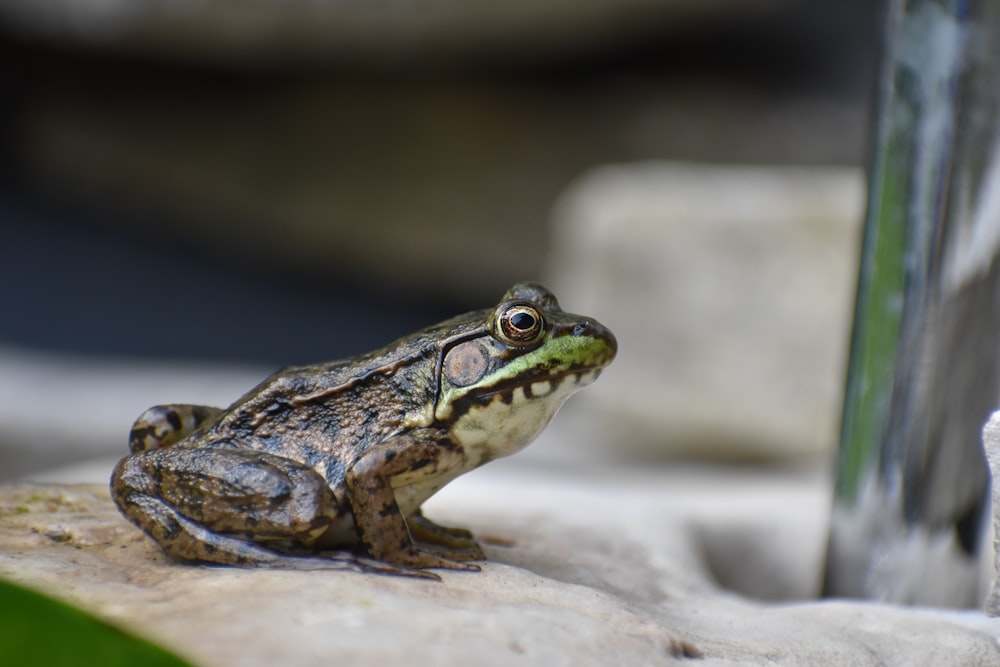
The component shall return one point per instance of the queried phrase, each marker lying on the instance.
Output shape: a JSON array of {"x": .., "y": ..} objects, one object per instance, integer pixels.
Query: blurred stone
[
  {"x": 991, "y": 445},
  {"x": 573, "y": 578},
  {"x": 57, "y": 410},
  {"x": 730, "y": 290}
]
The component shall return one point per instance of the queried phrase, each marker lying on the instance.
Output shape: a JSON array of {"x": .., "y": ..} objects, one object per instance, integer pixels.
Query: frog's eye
[{"x": 520, "y": 324}]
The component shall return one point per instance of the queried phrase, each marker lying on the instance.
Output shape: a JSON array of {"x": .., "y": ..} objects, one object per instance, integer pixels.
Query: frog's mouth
[
  {"x": 543, "y": 385},
  {"x": 580, "y": 378}
]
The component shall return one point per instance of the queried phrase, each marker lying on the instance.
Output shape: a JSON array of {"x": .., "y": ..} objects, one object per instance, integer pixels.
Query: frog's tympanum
[{"x": 330, "y": 463}]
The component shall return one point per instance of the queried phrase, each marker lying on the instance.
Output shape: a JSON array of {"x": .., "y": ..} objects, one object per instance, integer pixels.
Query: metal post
[{"x": 909, "y": 516}]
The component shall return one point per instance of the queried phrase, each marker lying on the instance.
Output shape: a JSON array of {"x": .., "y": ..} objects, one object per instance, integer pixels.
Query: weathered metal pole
[{"x": 909, "y": 519}]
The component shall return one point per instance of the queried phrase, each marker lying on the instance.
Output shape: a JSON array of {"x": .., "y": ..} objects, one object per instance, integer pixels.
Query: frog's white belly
[
  {"x": 503, "y": 427},
  {"x": 499, "y": 428}
]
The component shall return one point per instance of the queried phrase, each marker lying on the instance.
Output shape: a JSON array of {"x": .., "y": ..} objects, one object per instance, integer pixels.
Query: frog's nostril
[{"x": 581, "y": 328}]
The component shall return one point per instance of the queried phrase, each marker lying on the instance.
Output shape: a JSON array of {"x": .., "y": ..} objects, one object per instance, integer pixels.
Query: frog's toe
[
  {"x": 422, "y": 558},
  {"x": 474, "y": 552},
  {"x": 428, "y": 529},
  {"x": 451, "y": 564},
  {"x": 395, "y": 570},
  {"x": 341, "y": 560},
  {"x": 457, "y": 533},
  {"x": 442, "y": 538},
  {"x": 469, "y": 550}
]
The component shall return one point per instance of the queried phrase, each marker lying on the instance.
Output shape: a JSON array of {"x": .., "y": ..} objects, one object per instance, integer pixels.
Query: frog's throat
[{"x": 504, "y": 421}]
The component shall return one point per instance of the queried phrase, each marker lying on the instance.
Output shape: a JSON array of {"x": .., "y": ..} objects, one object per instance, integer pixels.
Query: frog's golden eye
[{"x": 520, "y": 324}]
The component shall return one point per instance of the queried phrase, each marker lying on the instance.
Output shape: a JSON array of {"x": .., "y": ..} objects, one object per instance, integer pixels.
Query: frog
[{"x": 328, "y": 465}]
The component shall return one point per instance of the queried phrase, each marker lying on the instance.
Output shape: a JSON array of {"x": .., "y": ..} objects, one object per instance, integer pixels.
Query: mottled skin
[{"x": 341, "y": 455}]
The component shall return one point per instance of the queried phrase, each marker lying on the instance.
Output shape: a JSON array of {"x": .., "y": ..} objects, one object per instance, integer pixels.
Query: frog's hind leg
[
  {"x": 165, "y": 425},
  {"x": 233, "y": 507}
]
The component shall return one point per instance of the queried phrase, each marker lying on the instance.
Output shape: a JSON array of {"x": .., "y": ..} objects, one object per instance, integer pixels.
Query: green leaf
[{"x": 38, "y": 630}]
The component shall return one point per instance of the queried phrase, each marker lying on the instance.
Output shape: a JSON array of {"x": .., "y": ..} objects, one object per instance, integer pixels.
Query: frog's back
[
  {"x": 409, "y": 352},
  {"x": 327, "y": 414}
]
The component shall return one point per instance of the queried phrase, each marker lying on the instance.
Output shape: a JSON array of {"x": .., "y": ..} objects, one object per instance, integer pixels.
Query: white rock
[
  {"x": 57, "y": 409},
  {"x": 730, "y": 290},
  {"x": 611, "y": 568}
]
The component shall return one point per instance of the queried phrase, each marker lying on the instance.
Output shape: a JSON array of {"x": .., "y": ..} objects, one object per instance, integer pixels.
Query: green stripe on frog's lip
[{"x": 578, "y": 353}]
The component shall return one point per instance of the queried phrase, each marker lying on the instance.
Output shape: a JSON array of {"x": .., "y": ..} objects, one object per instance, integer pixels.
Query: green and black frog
[{"x": 330, "y": 463}]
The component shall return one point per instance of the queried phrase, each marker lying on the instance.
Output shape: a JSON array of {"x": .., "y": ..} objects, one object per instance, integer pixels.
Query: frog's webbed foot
[
  {"x": 454, "y": 543},
  {"x": 193, "y": 541},
  {"x": 419, "y": 557},
  {"x": 341, "y": 560}
]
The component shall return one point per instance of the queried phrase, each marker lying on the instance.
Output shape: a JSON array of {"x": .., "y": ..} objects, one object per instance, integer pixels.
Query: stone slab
[{"x": 585, "y": 569}]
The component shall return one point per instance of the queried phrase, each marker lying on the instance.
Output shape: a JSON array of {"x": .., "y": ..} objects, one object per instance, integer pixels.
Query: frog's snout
[{"x": 594, "y": 329}]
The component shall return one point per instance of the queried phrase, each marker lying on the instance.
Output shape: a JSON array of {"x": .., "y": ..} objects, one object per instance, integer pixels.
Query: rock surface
[
  {"x": 587, "y": 569},
  {"x": 726, "y": 286}
]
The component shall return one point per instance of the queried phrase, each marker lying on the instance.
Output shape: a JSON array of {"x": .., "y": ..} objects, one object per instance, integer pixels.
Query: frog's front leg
[
  {"x": 233, "y": 506},
  {"x": 404, "y": 459}
]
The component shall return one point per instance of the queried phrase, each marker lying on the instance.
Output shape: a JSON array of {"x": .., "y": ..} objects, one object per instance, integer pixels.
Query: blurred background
[{"x": 195, "y": 193}]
